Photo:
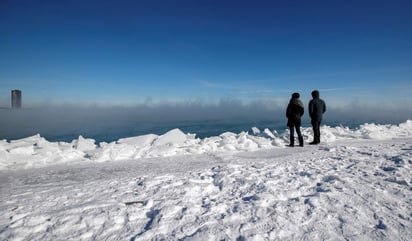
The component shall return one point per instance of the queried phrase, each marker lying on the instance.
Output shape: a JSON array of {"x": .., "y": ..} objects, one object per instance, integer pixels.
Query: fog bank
[{"x": 74, "y": 120}]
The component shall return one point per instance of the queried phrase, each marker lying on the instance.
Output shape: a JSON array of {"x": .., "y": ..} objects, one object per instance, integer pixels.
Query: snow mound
[{"x": 35, "y": 151}]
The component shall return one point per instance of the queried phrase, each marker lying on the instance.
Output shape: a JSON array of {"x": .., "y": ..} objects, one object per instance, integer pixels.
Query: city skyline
[{"x": 130, "y": 53}]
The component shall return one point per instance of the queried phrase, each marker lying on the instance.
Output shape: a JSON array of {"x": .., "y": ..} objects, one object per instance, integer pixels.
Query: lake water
[
  {"x": 104, "y": 130},
  {"x": 102, "y": 125}
]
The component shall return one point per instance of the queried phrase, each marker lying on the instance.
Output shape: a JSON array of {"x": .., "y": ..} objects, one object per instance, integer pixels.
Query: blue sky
[{"x": 134, "y": 52}]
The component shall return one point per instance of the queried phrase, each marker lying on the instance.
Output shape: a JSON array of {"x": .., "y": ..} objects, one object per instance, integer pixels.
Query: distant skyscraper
[{"x": 16, "y": 99}]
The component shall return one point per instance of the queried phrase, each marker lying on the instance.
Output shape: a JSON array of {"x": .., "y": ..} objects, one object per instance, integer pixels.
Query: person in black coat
[
  {"x": 316, "y": 109},
  {"x": 294, "y": 112}
]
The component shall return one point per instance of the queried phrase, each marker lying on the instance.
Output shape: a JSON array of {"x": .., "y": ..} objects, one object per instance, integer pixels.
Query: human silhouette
[
  {"x": 316, "y": 109},
  {"x": 294, "y": 112}
]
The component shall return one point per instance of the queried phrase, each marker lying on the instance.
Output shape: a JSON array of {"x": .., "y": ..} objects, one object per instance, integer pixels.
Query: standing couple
[{"x": 295, "y": 111}]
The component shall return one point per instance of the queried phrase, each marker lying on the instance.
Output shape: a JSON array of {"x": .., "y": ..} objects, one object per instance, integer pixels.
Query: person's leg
[
  {"x": 315, "y": 127},
  {"x": 292, "y": 136},
  {"x": 300, "y": 137},
  {"x": 318, "y": 132}
]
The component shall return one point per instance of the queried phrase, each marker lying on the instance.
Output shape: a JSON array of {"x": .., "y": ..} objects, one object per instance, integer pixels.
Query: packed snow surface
[{"x": 356, "y": 185}]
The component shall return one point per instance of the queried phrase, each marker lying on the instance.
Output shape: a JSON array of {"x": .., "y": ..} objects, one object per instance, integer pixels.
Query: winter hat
[
  {"x": 315, "y": 94},
  {"x": 295, "y": 95}
]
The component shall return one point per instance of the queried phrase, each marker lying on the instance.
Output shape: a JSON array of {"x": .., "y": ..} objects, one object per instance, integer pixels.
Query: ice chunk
[
  {"x": 83, "y": 144},
  {"x": 139, "y": 141},
  {"x": 173, "y": 137}
]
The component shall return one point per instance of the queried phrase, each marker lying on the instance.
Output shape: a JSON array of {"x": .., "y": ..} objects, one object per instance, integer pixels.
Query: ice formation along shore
[{"x": 35, "y": 151}]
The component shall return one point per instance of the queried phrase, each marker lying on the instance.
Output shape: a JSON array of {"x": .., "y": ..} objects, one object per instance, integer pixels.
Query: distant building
[{"x": 15, "y": 99}]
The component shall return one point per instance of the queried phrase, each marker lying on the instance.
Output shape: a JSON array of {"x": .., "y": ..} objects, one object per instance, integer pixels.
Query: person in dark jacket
[
  {"x": 294, "y": 112},
  {"x": 316, "y": 109}
]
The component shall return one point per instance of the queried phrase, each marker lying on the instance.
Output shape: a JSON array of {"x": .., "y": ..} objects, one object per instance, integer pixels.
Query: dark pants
[
  {"x": 292, "y": 132},
  {"x": 316, "y": 130},
  {"x": 292, "y": 135}
]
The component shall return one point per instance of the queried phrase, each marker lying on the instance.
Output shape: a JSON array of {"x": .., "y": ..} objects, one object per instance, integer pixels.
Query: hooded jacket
[
  {"x": 294, "y": 112},
  {"x": 316, "y": 107}
]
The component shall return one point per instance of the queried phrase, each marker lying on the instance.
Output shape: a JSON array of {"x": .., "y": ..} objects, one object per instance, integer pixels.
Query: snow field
[
  {"x": 347, "y": 190},
  {"x": 177, "y": 187}
]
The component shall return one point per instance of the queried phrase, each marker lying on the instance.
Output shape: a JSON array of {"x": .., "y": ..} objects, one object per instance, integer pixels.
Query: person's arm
[
  {"x": 310, "y": 107},
  {"x": 287, "y": 111}
]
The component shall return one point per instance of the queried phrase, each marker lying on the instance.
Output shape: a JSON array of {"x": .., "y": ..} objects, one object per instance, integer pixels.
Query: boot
[
  {"x": 315, "y": 141},
  {"x": 301, "y": 141},
  {"x": 292, "y": 142}
]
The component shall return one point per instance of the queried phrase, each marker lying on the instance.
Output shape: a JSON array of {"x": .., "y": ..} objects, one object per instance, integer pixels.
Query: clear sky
[{"x": 133, "y": 52}]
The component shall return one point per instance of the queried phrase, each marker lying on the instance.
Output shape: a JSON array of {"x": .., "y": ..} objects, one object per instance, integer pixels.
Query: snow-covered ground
[{"x": 356, "y": 185}]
